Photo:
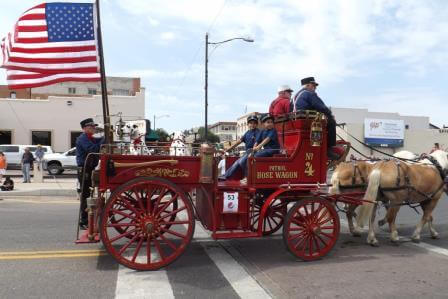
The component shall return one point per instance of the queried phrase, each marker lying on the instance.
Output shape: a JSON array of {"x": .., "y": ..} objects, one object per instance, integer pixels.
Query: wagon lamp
[
  {"x": 246, "y": 39},
  {"x": 157, "y": 117}
]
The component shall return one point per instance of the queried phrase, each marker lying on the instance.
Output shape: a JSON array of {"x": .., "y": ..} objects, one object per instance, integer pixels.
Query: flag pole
[{"x": 105, "y": 101}]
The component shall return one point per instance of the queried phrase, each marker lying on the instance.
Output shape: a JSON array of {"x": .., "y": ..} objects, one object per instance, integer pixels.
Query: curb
[{"x": 40, "y": 192}]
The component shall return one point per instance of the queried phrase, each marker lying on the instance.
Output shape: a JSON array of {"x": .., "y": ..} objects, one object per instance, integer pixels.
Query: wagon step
[{"x": 232, "y": 235}]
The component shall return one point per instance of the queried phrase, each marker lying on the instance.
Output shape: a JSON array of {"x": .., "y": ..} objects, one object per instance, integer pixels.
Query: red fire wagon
[{"x": 144, "y": 208}]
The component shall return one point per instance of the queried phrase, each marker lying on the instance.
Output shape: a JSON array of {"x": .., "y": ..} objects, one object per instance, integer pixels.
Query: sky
[{"x": 386, "y": 56}]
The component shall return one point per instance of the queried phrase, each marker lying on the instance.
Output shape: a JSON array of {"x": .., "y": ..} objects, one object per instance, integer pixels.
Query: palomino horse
[
  {"x": 353, "y": 177},
  {"x": 398, "y": 182}
]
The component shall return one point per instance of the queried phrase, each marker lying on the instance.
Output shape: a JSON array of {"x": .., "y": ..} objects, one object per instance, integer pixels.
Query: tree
[
  {"x": 163, "y": 135},
  {"x": 212, "y": 138}
]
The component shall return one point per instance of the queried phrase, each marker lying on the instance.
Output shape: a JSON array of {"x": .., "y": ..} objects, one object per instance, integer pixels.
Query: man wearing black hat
[
  {"x": 307, "y": 99},
  {"x": 86, "y": 144}
]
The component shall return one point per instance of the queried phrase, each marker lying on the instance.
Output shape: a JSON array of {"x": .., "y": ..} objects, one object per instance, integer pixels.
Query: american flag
[{"x": 51, "y": 43}]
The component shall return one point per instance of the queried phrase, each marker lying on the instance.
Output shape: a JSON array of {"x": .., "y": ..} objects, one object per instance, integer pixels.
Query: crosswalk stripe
[
  {"x": 136, "y": 285},
  {"x": 240, "y": 280}
]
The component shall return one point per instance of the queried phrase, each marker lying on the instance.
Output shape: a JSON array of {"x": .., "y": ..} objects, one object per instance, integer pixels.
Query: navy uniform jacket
[
  {"x": 309, "y": 100},
  {"x": 249, "y": 138},
  {"x": 84, "y": 146},
  {"x": 273, "y": 139}
]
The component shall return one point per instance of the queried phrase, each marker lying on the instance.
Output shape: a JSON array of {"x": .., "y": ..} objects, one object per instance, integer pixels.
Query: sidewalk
[{"x": 50, "y": 187}]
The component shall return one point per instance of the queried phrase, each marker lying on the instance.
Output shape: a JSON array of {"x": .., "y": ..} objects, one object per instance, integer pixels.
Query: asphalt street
[{"x": 38, "y": 259}]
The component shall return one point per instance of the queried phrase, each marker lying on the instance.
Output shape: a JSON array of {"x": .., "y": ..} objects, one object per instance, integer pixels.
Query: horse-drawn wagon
[{"x": 143, "y": 209}]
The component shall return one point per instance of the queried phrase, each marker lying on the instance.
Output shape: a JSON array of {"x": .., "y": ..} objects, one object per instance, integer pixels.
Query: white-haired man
[{"x": 280, "y": 105}]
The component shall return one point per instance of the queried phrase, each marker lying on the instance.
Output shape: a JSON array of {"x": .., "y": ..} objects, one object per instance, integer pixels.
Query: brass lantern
[{"x": 316, "y": 131}]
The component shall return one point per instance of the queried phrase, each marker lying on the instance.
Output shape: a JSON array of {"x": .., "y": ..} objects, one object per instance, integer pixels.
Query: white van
[{"x": 14, "y": 152}]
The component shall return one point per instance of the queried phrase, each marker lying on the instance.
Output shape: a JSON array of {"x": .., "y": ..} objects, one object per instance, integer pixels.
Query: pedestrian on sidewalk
[
  {"x": 27, "y": 161},
  {"x": 3, "y": 166},
  {"x": 39, "y": 156}
]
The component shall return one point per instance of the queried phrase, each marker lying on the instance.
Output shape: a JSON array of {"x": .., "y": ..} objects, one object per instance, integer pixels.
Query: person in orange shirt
[{"x": 3, "y": 165}]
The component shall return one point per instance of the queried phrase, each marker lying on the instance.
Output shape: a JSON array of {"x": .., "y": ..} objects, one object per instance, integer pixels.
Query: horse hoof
[
  {"x": 381, "y": 222},
  {"x": 375, "y": 244},
  {"x": 395, "y": 242},
  {"x": 415, "y": 240},
  {"x": 356, "y": 234},
  {"x": 435, "y": 237}
]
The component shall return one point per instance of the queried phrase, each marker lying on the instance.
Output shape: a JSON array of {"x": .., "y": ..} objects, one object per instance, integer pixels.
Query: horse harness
[
  {"x": 407, "y": 186},
  {"x": 356, "y": 171}
]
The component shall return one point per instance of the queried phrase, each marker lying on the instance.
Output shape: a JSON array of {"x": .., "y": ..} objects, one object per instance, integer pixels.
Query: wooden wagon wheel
[
  {"x": 121, "y": 207},
  {"x": 151, "y": 233},
  {"x": 275, "y": 216},
  {"x": 311, "y": 228}
]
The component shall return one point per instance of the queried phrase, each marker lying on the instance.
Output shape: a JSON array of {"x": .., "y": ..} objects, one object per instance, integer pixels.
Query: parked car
[
  {"x": 56, "y": 163},
  {"x": 14, "y": 152}
]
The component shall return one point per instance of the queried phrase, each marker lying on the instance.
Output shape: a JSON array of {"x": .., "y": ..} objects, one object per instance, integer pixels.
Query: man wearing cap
[
  {"x": 307, "y": 99},
  {"x": 249, "y": 138},
  {"x": 86, "y": 144},
  {"x": 280, "y": 105}
]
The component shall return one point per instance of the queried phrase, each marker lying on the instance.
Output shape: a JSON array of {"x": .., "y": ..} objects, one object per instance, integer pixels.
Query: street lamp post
[
  {"x": 157, "y": 117},
  {"x": 246, "y": 39}
]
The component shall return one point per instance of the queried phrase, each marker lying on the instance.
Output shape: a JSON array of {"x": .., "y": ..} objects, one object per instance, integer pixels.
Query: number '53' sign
[{"x": 230, "y": 203}]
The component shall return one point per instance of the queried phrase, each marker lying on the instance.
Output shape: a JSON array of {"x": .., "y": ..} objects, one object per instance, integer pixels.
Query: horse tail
[
  {"x": 371, "y": 194},
  {"x": 334, "y": 189}
]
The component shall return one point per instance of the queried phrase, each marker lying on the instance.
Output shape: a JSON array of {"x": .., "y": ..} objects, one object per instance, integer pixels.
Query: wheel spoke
[
  {"x": 124, "y": 214},
  {"x": 148, "y": 250},
  {"x": 273, "y": 220},
  {"x": 129, "y": 206},
  {"x": 327, "y": 227},
  {"x": 301, "y": 242},
  {"x": 159, "y": 249},
  {"x": 168, "y": 242},
  {"x": 297, "y": 222},
  {"x": 269, "y": 222},
  {"x": 322, "y": 216},
  {"x": 161, "y": 196},
  {"x": 176, "y": 222},
  {"x": 173, "y": 212},
  {"x": 127, "y": 225},
  {"x": 322, "y": 240},
  {"x": 137, "y": 249},
  {"x": 123, "y": 235},
  {"x": 123, "y": 248},
  {"x": 166, "y": 205},
  {"x": 327, "y": 235},
  {"x": 316, "y": 243},
  {"x": 173, "y": 233},
  {"x": 139, "y": 199},
  {"x": 292, "y": 237},
  {"x": 316, "y": 213}
]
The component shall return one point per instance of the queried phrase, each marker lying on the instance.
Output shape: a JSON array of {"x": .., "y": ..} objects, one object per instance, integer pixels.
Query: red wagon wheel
[
  {"x": 274, "y": 218},
  {"x": 311, "y": 229},
  {"x": 121, "y": 207},
  {"x": 142, "y": 228}
]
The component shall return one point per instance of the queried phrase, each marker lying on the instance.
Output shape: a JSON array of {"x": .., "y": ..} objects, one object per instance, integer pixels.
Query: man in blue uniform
[
  {"x": 249, "y": 138},
  {"x": 307, "y": 99},
  {"x": 86, "y": 144}
]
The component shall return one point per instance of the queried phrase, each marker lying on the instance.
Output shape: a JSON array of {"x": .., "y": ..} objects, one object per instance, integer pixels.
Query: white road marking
[
  {"x": 240, "y": 280},
  {"x": 134, "y": 284},
  {"x": 428, "y": 247},
  {"x": 432, "y": 248}
]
